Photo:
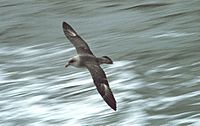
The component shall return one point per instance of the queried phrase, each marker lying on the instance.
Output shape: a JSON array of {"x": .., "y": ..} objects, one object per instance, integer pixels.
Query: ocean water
[{"x": 155, "y": 78}]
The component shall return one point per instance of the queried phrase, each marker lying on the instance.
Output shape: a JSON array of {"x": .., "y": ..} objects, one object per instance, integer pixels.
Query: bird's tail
[{"x": 105, "y": 60}]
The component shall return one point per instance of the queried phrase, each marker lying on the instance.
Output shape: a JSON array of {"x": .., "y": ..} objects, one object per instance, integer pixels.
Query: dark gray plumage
[{"x": 86, "y": 58}]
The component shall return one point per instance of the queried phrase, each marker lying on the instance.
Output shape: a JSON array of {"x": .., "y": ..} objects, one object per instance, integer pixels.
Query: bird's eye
[{"x": 71, "y": 61}]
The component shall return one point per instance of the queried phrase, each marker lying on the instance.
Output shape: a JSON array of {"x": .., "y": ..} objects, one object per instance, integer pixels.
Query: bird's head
[{"x": 72, "y": 61}]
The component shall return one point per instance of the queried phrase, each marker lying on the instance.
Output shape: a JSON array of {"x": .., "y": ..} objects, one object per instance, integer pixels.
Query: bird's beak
[{"x": 67, "y": 65}]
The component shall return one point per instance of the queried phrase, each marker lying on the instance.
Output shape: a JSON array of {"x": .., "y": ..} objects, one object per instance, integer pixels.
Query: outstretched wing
[
  {"x": 80, "y": 45},
  {"x": 102, "y": 85}
]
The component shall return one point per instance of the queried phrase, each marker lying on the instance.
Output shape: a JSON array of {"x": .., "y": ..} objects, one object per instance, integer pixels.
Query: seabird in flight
[{"x": 85, "y": 58}]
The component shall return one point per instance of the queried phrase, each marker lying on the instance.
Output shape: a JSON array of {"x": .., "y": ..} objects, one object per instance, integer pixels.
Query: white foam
[{"x": 172, "y": 34}]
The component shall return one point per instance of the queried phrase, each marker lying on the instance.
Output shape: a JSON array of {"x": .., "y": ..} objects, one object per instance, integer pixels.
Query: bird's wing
[
  {"x": 101, "y": 82},
  {"x": 80, "y": 45}
]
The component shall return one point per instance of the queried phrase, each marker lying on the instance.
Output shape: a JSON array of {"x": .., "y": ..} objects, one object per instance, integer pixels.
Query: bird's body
[
  {"x": 82, "y": 60},
  {"x": 85, "y": 58}
]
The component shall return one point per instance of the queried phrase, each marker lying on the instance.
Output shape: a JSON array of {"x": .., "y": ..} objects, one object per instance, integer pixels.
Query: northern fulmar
[{"x": 85, "y": 58}]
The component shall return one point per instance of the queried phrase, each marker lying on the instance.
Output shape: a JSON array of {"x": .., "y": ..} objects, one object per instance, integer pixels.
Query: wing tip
[
  {"x": 65, "y": 25},
  {"x": 68, "y": 30},
  {"x": 110, "y": 100},
  {"x": 113, "y": 106},
  {"x": 107, "y": 95}
]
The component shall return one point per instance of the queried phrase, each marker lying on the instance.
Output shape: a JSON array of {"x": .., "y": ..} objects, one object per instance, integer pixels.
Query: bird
[{"x": 86, "y": 59}]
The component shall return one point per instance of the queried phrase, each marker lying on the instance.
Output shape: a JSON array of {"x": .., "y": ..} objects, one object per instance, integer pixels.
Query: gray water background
[{"x": 155, "y": 46}]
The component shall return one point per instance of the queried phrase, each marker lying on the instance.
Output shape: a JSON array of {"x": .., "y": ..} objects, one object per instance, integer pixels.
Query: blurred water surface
[{"x": 155, "y": 45}]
